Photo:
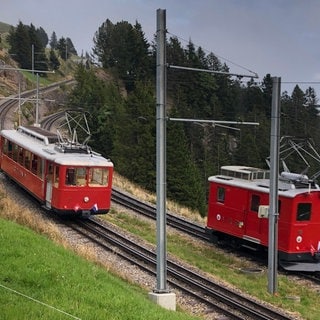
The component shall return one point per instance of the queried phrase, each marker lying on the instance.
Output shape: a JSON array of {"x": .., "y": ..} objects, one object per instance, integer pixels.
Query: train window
[
  {"x": 5, "y": 146},
  {"x": 8, "y": 148},
  {"x": 15, "y": 152},
  {"x": 27, "y": 157},
  {"x": 98, "y": 177},
  {"x": 56, "y": 176},
  {"x": 304, "y": 212},
  {"x": 279, "y": 206},
  {"x": 70, "y": 177},
  {"x": 220, "y": 194},
  {"x": 50, "y": 172},
  {"x": 36, "y": 165},
  {"x": 40, "y": 168},
  {"x": 81, "y": 179},
  {"x": 76, "y": 177},
  {"x": 20, "y": 155},
  {"x": 255, "y": 203}
]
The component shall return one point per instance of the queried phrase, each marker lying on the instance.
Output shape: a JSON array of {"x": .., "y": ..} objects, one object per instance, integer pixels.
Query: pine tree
[
  {"x": 123, "y": 49},
  {"x": 135, "y": 145},
  {"x": 70, "y": 47},
  {"x": 20, "y": 45},
  {"x": 298, "y": 101},
  {"x": 53, "y": 60},
  {"x": 26, "y": 47},
  {"x": 62, "y": 48},
  {"x": 40, "y": 61},
  {"x": 53, "y": 41},
  {"x": 103, "y": 102},
  {"x": 43, "y": 37},
  {"x": 184, "y": 181}
]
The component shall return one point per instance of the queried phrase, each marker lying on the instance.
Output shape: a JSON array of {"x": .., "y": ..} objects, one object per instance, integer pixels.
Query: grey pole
[
  {"x": 161, "y": 153},
  {"x": 32, "y": 60},
  {"x": 273, "y": 196},
  {"x": 37, "y": 102}
]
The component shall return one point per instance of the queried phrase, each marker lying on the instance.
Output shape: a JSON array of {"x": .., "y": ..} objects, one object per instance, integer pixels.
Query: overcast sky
[{"x": 280, "y": 37}]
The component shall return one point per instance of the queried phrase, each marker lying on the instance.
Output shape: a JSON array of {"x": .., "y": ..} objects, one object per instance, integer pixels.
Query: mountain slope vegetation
[{"x": 116, "y": 86}]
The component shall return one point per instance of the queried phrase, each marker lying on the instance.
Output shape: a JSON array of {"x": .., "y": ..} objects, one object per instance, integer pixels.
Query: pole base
[{"x": 166, "y": 300}]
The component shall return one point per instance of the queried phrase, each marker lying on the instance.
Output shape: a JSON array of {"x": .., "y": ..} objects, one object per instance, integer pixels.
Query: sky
[{"x": 276, "y": 37}]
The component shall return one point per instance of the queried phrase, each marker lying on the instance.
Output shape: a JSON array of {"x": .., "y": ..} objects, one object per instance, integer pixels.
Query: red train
[
  {"x": 67, "y": 178},
  {"x": 238, "y": 213}
]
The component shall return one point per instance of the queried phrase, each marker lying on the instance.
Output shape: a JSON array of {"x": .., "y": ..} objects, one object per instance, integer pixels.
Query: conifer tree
[
  {"x": 135, "y": 145},
  {"x": 53, "y": 60},
  {"x": 26, "y": 47},
  {"x": 20, "y": 45},
  {"x": 53, "y": 41},
  {"x": 184, "y": 181},
  {"x": 62, "y": 48},
  {"x": 40, "y": 61},
  {"x": 42, "y": 36},
  {"x": 70, "y": 47},
  {"x": 123, "y": 49}
]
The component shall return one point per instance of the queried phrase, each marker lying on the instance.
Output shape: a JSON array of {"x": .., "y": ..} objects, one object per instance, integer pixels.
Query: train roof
[
  {"x": 45, "y": 144},
  {"x": 259, "y": 180}
]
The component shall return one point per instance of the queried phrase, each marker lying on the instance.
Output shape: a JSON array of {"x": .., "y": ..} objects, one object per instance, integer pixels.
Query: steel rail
[
  {"x": 149, "y": 211},
  {"x": 225, "y": 301}
]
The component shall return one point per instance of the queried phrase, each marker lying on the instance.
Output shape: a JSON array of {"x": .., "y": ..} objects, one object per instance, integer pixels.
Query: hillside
[
  {"x": 4, "y": 30},
  {"x": 4, "y": 27}
]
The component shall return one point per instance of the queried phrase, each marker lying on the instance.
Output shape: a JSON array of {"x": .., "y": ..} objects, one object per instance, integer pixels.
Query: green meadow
[{"x": 42, "y": 280}]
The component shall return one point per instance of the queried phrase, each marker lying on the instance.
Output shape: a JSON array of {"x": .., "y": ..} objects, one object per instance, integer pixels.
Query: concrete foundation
[{"x": 166, "y": 300}]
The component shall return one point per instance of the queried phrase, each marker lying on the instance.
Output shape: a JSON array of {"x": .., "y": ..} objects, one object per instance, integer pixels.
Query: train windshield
[
  {"x": 98, "y": 177},
  {"x": 304, "y": 211},
  {"x": 82, "y": 176}
]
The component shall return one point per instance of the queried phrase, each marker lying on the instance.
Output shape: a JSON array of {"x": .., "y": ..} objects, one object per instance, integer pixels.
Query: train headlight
[
  {"x": 299, "y": 239},
  {"x": 86, "y": 199}
]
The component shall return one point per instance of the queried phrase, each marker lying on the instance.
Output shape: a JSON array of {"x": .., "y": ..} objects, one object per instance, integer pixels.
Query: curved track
[{"x": 7, "y": 105}]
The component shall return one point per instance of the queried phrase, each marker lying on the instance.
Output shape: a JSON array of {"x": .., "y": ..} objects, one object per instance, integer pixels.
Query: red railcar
[
  {"x": 238, "y": 212},
  {"x": 68, "y": 179}
]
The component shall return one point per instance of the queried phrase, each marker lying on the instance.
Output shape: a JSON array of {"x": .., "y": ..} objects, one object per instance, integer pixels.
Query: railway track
[
  {"x": 149, "y": 211},
  {"x": 48, "y": 122},
  {"x": 218, "y": 298},
  {"x": 7, "y": 105}
]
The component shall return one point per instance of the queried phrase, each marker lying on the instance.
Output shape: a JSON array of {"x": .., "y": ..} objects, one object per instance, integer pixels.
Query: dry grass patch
[{"x": 11, "y": 210}]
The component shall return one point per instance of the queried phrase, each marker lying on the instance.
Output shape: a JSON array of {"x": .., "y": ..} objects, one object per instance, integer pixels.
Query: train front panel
[
  {"x": 299, "y": 225},
  {"x": 81, "y": 190}
]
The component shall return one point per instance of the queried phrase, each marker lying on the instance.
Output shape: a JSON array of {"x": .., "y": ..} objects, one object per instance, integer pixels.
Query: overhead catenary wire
[
  {"x": 218, "y": 56},
  {"x": 311, "y": 82}
]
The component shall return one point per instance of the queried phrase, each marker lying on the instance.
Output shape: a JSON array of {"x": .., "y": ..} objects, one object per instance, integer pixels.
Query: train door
[
  {"x": 49, "y": 183},
  {"x": 252, "y": 221}
]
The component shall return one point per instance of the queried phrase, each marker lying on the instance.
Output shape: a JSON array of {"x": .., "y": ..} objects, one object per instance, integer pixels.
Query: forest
[
  {"x": 23, "y": 37},
  {"x": 118, "y": 90}
]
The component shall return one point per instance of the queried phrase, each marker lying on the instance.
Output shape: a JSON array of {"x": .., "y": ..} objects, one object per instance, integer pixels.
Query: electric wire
[
  {"x": 40, "y": 302},
  {"x": 239, "y": 65},
  {"x": 220, "y": 57}
]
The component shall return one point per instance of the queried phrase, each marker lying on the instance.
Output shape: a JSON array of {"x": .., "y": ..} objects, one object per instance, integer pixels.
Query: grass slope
[
  {"x": 41, "y": 280},
  {"x": 4, "y": 27}
]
